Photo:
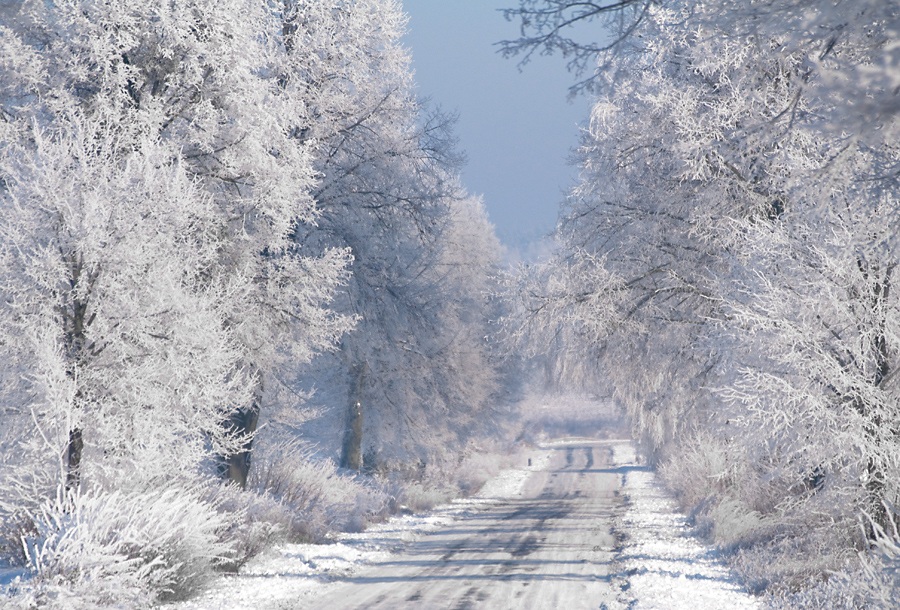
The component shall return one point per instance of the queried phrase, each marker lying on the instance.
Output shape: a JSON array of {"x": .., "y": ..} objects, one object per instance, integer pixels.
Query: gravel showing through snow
[{"x": 599, "y": 535}]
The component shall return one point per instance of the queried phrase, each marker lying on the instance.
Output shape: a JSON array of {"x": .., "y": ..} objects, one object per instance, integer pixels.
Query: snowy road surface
[
  {"x": 585, "y": 526},
  {"x": 549, "y": 548}
]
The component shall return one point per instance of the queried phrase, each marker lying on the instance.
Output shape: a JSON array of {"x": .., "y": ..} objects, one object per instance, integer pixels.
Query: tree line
[
  {"x": 199, "y": 198},
  {"x": 727, "y": 262}
]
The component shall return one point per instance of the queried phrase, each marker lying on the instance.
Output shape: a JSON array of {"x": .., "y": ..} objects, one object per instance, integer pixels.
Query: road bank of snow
[{"x": 660, "y": 565}]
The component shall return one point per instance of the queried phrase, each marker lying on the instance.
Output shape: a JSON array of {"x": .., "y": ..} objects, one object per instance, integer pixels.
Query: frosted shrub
[
  {"x": 708, "y": 481},
  {"x": 780, "y": 535},
  {"x": 451, "y": 475},
  {"x": 415, "y": 496},
  {"x": 259, "y": 520},
  {"x": 700, "y": 469},
  {"x": 480, "y": 461},
  {"x": 475, "y": 469},
  {"x": 123, "y": 548},
  {"x": 319, "y": 497},
  {"x": 879, "y": 583}
]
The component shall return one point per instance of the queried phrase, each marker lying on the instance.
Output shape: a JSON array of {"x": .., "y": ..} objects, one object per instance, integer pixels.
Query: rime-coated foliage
[{"x": 728, "y": 262}]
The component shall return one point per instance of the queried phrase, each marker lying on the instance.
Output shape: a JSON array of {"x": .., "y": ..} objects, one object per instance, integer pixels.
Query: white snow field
[{"x": 584, "y": 526}]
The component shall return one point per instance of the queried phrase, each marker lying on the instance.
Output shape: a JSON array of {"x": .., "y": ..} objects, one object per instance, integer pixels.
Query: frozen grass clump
[
  {"x": 870, "y": 581},
  {"x": 127, "y": 549}
]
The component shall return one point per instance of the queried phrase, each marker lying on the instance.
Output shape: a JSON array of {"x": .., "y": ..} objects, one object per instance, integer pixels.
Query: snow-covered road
[
  {"x": 584, "y": 526},
  {"x": 551, "y": 547}
]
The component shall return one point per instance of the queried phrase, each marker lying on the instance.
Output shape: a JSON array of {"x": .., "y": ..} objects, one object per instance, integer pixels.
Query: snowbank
[{"x": 661, "y": 566}]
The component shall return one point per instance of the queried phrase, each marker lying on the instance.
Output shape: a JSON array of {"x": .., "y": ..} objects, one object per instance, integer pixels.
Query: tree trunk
[
  {"x": 236, "y": 466},
  {"x": 76, "y": 323},
  {"x": 74, "y": 451},
  {"x": 351, "y": 454},
  {"x": 877, "y": 478}
]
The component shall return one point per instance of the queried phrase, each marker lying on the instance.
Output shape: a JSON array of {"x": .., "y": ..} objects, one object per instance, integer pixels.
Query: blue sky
[{"x": 516, "y": 127}]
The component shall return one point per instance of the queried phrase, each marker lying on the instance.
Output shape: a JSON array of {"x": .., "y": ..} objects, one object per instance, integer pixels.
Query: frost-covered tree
[
  {"x": 643, "y": 236},
  {"x": 811, "y": 350},
  {"x": 728, "y": 259},
  {"x": 203, "y": 80},
  {"x": 388, "y": 192},
  {"x": 111, "y": 321}
]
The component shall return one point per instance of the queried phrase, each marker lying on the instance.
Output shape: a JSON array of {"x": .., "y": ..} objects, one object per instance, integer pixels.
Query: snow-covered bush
[
  {"x": 441, "y": 480},
  {"x": 259, "y": 520},
  {"x": 116, "y": 548},
  {"x": 416, "y": 496},
  {"x": 780, "y": 537},
  {"x": 453, "y": 474},
  {"x": 703, "y": 469},
  {"x": 871, "y": 580},
  {"x": 480, "y": 463},
  {"x": 320, "y": 498},
  {"x": 882, "y": 567}
]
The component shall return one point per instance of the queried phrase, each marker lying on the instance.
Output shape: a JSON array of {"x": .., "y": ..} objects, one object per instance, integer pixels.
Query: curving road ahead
[{"x": 550, "y": 548}]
